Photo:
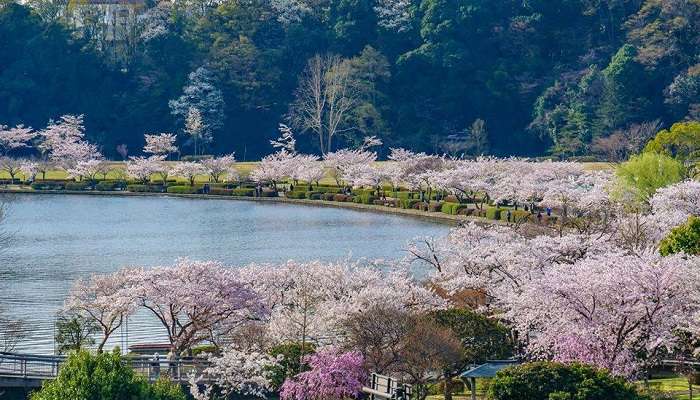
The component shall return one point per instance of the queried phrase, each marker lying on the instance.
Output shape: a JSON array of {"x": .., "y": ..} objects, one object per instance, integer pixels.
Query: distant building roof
[{"x": 488, "y": 369}]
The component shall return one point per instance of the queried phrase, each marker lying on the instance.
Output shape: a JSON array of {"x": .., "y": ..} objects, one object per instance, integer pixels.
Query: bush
[
  {"x": 684, "y": 238},
  {"x": 361, "y": 192},
  {"x": 267, "y": 193},
  {"x": 449, "y": 208},
  {"x": 48, "y": 185},
  {"x": 183, "y": 189},
  {"x": 549, "y": 380},
  {"x": 326, "y": 189},
  {"x": 313, "y": 195},
  {"x": 244, "y": 192},
  {"x": 328, "y": 196},
  {"x": 77, "y": 185},
  {"x": 493, "y": 213},
  {"x": 435, "y": 207},
  {"x": 219, "y": 191},
  {"x": 342, "y": 197},
  {"x": 107, "y": 186},
  {"x": 409, "y": 203},
  {"x": 296, "y": 195},
  {"x": 364, "y": 198},
  {"x": 104, "y": 377}
]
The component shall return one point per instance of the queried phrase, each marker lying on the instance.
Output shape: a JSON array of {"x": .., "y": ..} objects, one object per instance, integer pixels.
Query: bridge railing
[{"x": 29, "y": 366}]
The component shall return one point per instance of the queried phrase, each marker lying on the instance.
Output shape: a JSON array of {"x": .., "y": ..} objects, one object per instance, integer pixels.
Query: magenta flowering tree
[{"x": 333, "y": 375}]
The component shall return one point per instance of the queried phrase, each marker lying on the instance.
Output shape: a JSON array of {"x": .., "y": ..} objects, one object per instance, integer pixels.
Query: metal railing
[{"x": 30, "y": 366}]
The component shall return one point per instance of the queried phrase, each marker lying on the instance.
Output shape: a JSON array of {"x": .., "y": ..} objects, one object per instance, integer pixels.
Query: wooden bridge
[{"x": 29, "y": 370}]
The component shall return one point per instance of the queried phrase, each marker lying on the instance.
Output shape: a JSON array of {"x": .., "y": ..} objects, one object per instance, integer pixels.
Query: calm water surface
[{"x": 60, "y": 238}]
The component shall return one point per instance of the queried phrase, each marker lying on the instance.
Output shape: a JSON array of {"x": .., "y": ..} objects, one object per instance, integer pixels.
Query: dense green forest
[{"x": 502, "y": 77}]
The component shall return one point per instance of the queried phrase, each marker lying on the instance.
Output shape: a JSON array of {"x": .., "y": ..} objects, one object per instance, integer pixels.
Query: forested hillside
[{"x": 535, "y": 77}]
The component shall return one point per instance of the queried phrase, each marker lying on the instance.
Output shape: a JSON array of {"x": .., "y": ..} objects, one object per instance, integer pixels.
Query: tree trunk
[{"x": 448, "y": 387}]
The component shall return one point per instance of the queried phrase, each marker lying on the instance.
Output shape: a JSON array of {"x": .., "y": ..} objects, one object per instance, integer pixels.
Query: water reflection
[{"x": 60, "y": 238}]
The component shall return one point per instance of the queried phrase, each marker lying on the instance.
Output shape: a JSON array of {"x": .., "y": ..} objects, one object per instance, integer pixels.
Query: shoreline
[{"x": 436, "y": 217}]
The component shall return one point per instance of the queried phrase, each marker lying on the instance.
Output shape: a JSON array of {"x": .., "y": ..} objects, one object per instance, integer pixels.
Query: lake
[{"x": 58, "y": 239}]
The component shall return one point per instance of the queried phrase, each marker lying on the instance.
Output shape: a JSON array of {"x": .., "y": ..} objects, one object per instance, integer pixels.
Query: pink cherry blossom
[
  {"x": 160, "y": 144},
  {"x": 333, "y": 376}
]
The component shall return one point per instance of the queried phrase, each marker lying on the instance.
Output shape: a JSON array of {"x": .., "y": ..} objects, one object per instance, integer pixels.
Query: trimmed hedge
[
  {"x": 218, "y": 191},
  {"x": 364, "y": 198},
  {"x": 267, "y": 193},
  {"x": 48, "y": 185},
  {"x": 296, "y": 195},
  {"x": 137, "y": 188},
  {"x": 183, "y": 189},
  {"x": 342, "y": 198},
  {"x": 244, "y": 192},
  {"x": 77, "y": 185},
  {"x": 515, "y": 215},
  {"x": 493, "y": 213},
  {"x": 408, "y": 203}
]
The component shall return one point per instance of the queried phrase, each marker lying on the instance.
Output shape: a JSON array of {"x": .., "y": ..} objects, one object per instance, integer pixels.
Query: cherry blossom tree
[
  {"x": 107, "y": 300},
  {"x": 217, "y": 167},
  {"x": 30, "y": 169},
  {"x": 194, "y": 126},
  {"x": 245, "y": 373},
  {"x": 339, "y": 161},
  {"x": 11, "y": 166},
  {"x": 333, "y": 375},
  {"x": 310, "y": 170},
  {"x": 15, "y": 138},
  {"x": 272, "y": 168},
  {"x": 188, "y": 170},
  {"x": 193, "y": 300},
  {"x": 142, "y": 168},
  {"x": 671, "y": 206},
  {"x": 614, "y": 310},
  {"x": 87, "y": 169},
  {"x": 160, "y": 144},
  {"x": 63, "y": 141},
  {"x": 309, "y": 301}
]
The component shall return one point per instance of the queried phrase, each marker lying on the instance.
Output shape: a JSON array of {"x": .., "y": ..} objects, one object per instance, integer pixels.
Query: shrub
[
  {"x": 326, "y": 189},
  {"x": 365, "y": 198},
  {"x": 449, "y": 208},
  {"x": 267, "y": 193},
  {"x": 219, "y": 191},
  {"x": 328, "y": 196},
  {"x": 341, "y": 197},
  {"x": 48, "y": 185},
  {"x": 296, "y": 195},
  {"x": 435, "y": 207},
  {"x": 493, "y": 213},
  {"x": 361, "y": 192},
  {"x": 409, "y": 203},
  {"x": 137, "y": 188},
  {"x": 77, "y": 185},
  {"x": 313, "y": 195},
  {"x": 684, "y": 238},
  {"x": 183, "y": 189},
  {"x": 244, "y": 192},
  {"x": 103, "y": 376},
  {"x": 550, "y": 380}
]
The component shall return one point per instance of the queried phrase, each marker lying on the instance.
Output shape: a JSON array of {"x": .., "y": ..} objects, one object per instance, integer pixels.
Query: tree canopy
[{"x": 544, "y": 77}]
